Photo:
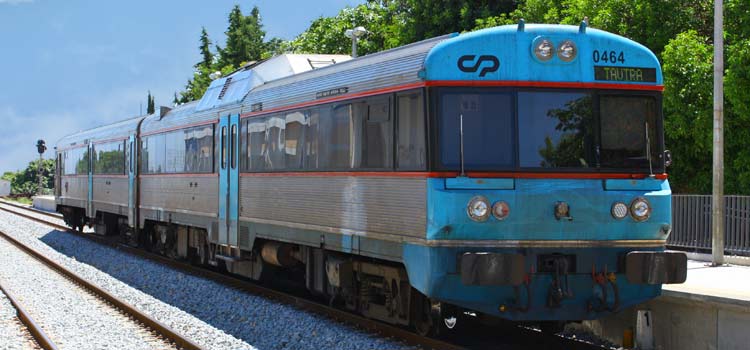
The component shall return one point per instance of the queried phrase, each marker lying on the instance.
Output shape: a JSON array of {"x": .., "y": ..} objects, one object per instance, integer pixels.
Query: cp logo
[{"x": 492, "y": 64}]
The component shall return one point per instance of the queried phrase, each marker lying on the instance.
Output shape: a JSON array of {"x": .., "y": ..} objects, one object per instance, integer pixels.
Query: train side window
[
  {"x": 275, "y": 125},
  {"x": 223, "y": 147},
  {"x": 411, "y": 151},
  {"x": 233, "y": 145},
  {"x": 294, "y": 139},
  {"x": 378, "y": 135},
  {"x": 311, "y": 139},
  {"x": 256, "y": 144},
  {"x": 109, "y": 158},
  {"x": 335, "y": 130}
]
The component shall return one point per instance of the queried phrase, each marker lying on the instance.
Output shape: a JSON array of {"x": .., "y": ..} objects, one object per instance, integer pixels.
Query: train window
[
  {"x": 233, "y": 145},
  {"x": 336, "y": 130},
  {"x": 154, "y": 161},
  {"x": 76, "y": 161},
  {"x": 555, "y": 130},
  {"x": 256, "y": 144},
  {"x": 109, "y": 158},
  {"x": 411, "y": 132},
  {"x": 488, "y": 142},
  {"x": 311, "y": 139},
  {"x": 275, "y": 126},
  {"x": 627, "y": 123},
  {"x": 198, "y": 144},
  {"x": 294, "y": 139},
  {"x": 378, "y": 136},
  {"x": 175, "y": 151},
  {"x": 223, "y": 147}
]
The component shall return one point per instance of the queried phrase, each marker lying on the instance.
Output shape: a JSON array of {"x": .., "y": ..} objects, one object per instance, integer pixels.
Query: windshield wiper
[{"x": 648, "y": 153}]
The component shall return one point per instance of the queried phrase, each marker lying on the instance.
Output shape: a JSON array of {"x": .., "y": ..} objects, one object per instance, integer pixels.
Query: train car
[
  {"x": 516, "y": 172},
  {"x": 95, "y": 177}
]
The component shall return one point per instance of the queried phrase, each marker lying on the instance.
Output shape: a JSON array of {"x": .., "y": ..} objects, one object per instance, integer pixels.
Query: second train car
[{"x": 517, "y": 172}]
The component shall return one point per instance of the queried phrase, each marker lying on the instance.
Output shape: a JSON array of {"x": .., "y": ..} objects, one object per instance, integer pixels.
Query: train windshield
[{"x": 548, "y": 130}]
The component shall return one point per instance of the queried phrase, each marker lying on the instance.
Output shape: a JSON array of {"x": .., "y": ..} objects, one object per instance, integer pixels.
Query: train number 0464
[{"x": 608, "y": 56}]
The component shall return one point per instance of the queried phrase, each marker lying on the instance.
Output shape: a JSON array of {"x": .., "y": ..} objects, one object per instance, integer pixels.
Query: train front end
[{"x": 548, "y": 197}]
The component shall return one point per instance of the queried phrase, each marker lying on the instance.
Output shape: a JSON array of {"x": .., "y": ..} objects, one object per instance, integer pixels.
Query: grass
[{"x": 22, "y": 200}]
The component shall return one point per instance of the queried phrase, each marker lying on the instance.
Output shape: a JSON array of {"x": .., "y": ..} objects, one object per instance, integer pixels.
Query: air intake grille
[{"x": 224, "y": 89}]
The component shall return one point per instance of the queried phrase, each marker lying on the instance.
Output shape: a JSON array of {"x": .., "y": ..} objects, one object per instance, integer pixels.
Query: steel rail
[
  {"x": 32, "y": 209},
  {"x": 255, "y": 289},
  {"x": 155, "y": 325},
  {"x": 35, "y": 330}
]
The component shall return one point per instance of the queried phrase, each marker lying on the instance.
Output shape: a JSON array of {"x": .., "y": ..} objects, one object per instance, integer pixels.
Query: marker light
[
  {"x": 567, "y": 51},
  {"x": 543, "y": 49},
  {"x": 640, "y": 209},
  {"x": 619, "y": 210},
  {"x": 500, "y": 210},
  {"x": 478, "y": 209}
]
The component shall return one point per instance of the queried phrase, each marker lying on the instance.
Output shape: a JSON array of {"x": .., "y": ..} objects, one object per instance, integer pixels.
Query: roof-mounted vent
[
  {"x": 224, "y": 89},
  {"x": 163, "y": 111}
]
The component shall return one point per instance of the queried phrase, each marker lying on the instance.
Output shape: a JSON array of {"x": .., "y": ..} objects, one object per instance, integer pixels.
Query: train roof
[
  {"x": 498, "y": 54},
  {"x": 115, "y": 131}
]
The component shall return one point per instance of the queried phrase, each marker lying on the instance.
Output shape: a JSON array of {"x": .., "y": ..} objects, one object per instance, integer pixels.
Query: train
[{"x": 516, "y": 172}]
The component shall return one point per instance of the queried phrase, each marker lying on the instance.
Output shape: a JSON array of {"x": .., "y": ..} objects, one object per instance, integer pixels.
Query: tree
[
  {"x": 326, "y": 34},
  {"x": 245, "y": 36},
  {"x": 688, "y": 69},
  {"x": 205, "y": 49},
  {"x": 26, "y": 182},
  {"x": 150, "y": 105},
  {"x": 244, "y": 43}
]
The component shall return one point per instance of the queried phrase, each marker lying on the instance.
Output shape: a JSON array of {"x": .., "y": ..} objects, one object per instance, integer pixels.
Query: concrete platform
[
  {"x": 711, "y": 310},
  {"x": 46, "y": 203}
]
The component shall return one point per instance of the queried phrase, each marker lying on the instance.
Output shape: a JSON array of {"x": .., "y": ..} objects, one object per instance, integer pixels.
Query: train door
[
  {"x": 132, "y": 168},
  {"x": 58, "y": 174},
  {"x": 229, "y": 172},
  {"x": 90, "y": 198}
]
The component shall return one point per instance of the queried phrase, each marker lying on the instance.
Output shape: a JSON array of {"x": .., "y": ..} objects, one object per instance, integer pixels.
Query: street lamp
[{"x": 355, "y": 34}]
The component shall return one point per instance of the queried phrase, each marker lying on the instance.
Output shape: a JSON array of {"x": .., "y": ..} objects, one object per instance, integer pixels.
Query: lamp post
[
  {"x": 40, "y": 147},
  {"x": 717, "y": 214},
  {"x": 355, "y": 34}
]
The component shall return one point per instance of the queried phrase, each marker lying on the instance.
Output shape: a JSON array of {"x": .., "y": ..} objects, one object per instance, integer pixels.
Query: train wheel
[{"x": 432, "y": 318}]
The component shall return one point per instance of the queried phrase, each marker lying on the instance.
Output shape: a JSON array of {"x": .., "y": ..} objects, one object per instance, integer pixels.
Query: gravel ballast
[
  {"x": 13, "y": 334},
  {"x": 210, "y": 314},
  {"x": 70, "y": 315}
]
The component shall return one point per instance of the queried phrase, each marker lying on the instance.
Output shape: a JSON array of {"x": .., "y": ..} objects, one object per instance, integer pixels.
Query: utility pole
[
  {"x": 717, "y": 214},
  {"x": 40, "y": 147}
]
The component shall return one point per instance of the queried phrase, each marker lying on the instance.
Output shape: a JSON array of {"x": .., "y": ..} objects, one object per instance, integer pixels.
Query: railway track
[
  {"x": 35, "y": 330},
  {"x": 297, "y": 301},
  {"x": 141, "y": 319}
]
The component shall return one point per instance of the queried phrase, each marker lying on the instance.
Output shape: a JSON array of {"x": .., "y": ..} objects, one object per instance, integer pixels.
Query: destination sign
[
  {"x": 332, "y": 92},
  {"x": 633, "y": 74}
]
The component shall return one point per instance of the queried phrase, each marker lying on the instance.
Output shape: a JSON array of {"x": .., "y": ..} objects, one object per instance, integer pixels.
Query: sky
[{"x": 69, "y": 65}]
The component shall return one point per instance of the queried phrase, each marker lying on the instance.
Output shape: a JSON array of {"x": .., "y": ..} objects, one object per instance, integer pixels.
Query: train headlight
[
  {"x": 640, "y": 209},
  {"x": 544, "y": 49},
  {"x": 500, "y": 210},
  {"x": 478, "y": 209},
  {"x": 619, "y": 210},
  {"x": 567, "y": 51}
]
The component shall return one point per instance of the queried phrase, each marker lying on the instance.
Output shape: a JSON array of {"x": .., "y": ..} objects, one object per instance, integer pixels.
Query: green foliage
[
  {"x": 26, "y": 183},
  {"x": 244, "y": 38},
  {"x": 244, "y": 44},
  {"x": 326, "y": 34},
  {"x": 151, "y": 106},
  {"x": 688, "y": 109}
]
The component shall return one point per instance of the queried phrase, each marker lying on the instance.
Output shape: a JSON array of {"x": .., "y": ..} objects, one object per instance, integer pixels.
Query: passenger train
[{"x": 515, "y": 172}]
